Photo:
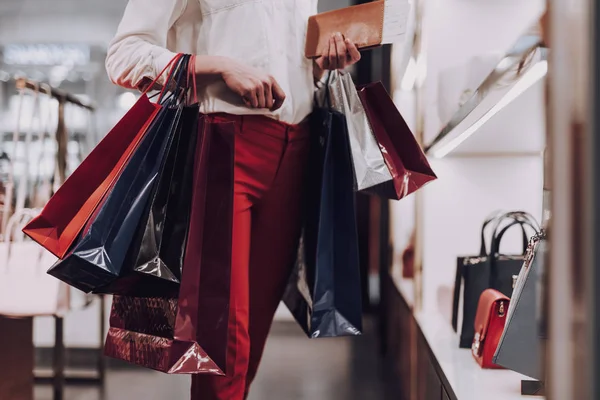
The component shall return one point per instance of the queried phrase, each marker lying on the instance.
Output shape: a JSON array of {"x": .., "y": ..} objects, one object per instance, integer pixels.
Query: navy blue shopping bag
[{"x": 324, "y": 292}]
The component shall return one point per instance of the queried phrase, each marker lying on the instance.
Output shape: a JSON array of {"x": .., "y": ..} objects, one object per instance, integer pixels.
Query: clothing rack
[
  {"x": 57, "y": 375},
  {"x": 60, "y": 95}
]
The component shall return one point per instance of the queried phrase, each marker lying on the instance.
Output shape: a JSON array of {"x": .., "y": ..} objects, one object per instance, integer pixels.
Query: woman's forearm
[{"x": 210, "y": 68}]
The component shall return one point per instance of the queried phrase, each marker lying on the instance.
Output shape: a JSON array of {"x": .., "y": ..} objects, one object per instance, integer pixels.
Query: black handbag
[{"x": 488, "y": 270}]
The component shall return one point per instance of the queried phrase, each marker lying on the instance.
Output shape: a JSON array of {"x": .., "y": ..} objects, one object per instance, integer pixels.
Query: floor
[{"x": 294, "y": 368}]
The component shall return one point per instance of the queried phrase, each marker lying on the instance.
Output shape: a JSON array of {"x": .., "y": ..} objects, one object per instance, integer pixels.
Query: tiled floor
[{"x": 294, "y": 368}]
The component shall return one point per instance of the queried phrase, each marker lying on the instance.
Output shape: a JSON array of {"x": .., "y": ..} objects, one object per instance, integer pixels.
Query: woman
[{"x": 251, "y": 70}]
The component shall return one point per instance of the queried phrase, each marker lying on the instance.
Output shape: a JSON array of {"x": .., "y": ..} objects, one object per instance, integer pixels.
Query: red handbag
[
  {"x": 67, "y": 212},
  {"x": 489, "y": 325},
  {"x": 402, "y": 154}
]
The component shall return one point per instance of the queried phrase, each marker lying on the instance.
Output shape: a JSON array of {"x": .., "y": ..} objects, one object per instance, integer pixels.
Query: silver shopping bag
[
  {"x": 369, "y": 166},
  {"x": 520, "y": 347}
]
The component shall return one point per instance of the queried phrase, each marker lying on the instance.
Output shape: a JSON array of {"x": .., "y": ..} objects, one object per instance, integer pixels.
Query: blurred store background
[
  {"x": 62, "y": 43},
  {"x": 473, "y": 86}
]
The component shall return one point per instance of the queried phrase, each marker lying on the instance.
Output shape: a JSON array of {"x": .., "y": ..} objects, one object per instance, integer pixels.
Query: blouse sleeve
[{"x": 138, "y": 51}]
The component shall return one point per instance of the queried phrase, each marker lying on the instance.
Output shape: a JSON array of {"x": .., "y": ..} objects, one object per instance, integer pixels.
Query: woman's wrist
[{"x": 210, "y": 66}]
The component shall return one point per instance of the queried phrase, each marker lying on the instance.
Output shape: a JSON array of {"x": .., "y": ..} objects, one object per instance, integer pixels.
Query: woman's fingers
[
  {"x": 250, "y": 99},
  {"x": 260, "y": 95},
  {"x": 278, "y": 95},
  {"x": 268, "y": 95},
  {"x": 340, "y": 50},
  {"x": 353, "y": 52},
  {"x": 332, "y": 57}
]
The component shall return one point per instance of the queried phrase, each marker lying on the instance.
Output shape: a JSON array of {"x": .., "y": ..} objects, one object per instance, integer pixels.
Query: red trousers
[{"x": 270, "y": 159}]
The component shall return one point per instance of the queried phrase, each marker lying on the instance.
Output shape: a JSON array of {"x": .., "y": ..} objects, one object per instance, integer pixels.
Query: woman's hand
[
  {"x": 256, "y": 88},
  {"x": 340, "y": 53}
]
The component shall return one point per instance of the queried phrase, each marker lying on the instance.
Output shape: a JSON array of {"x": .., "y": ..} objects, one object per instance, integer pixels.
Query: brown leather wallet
[{"x": 362, "y": 24}]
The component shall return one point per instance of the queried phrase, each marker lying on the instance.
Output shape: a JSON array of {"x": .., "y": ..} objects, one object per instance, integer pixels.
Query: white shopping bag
[{"x": 25, "y": 288}]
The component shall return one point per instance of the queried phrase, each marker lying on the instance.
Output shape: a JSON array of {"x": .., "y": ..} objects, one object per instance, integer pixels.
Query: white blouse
[{"x": 266, "y": 34}]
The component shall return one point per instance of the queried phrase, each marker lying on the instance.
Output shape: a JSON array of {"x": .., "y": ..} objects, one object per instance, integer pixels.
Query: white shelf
[
  {"x": 515, "y": 130},
  {"x": 465, "y": 377},
  {"x": 505, "y": 114}
]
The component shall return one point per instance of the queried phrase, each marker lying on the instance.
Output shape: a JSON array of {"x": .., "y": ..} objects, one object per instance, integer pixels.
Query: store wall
[
  {"x": 458, "y": 30},
  {"x": 458, "y": 204},
  {"x": 498, "y": 168}
]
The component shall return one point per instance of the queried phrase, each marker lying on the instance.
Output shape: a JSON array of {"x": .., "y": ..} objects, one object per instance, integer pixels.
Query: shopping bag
[
  {"x": 188, "y": 334},
  {"x": 97, "y": 259},
  {"x": 324, "y": 292},
  {"x": 403, "y": 155},
  {"x": 161, "y": 251},
  {"x": 156, "y": 254},
  {"x": 369, "y": 166},
  {"x": 25, "y": 288},
  {"x": 64, "y": 216}
]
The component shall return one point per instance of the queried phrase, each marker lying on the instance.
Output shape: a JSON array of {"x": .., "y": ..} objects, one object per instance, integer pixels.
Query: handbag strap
[
  {"x": 456, "y": 298},
  {"x": 498, "y": 217},
  {"x": 507, "y": 217},
  {"x": 498, "y": 238},
  {"x": 490, "y": 218}
]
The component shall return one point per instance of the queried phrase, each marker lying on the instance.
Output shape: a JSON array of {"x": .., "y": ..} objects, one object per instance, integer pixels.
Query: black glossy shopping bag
[
  {"x": 100, "y": 255},
  {"x": 98, "y": 258},
  {"x": 324, "y": 292},
  {"x": 161, "y": 249},
  {"x": 155, "y": 259}
]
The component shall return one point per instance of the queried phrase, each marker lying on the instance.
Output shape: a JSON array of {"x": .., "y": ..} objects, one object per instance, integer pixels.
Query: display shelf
[
  {"x": 405, "y": 286},
  {"x": 516, "y": 84},
  {"x": 457, "y": 368},
  {"x": 463, "y": 374}
]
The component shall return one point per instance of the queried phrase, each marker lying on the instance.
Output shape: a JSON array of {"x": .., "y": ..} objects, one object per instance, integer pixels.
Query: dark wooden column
[
  {"x": 373, "y": 213},
  {"x": 16, "y": 359}
]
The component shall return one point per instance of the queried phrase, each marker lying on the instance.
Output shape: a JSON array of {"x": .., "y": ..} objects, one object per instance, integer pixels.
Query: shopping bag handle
[
  {"x": 151, "y": 85},
  {"x": 192, "y": 75},
  {"x": 179, "y": 71}
]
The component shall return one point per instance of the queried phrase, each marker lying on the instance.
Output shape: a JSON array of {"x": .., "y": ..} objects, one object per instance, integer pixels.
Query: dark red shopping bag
[
  {"x": 403, "y": 156},
  {"x": 188, "y": 334},
  {"x": 65, "y": 215}
]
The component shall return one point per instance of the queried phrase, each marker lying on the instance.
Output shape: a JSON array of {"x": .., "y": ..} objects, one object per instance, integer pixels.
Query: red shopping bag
[
  {"x": 65, "y": 215},
  {"x": 402, "y": 154},
  {"x": 188, "y": 334}
]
